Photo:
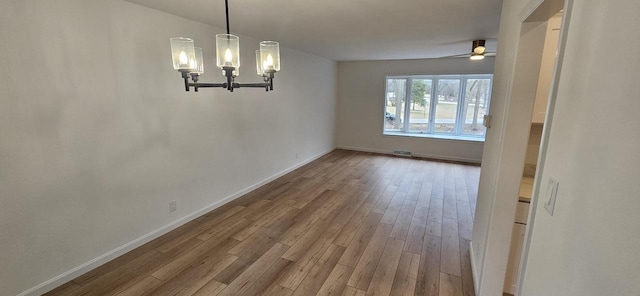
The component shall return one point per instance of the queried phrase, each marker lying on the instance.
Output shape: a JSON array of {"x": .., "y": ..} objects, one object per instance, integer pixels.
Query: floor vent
[{"x": 402, "y": 153}]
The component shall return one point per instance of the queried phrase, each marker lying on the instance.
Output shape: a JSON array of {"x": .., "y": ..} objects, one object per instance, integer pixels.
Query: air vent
[{"x": 402, "y": 153}]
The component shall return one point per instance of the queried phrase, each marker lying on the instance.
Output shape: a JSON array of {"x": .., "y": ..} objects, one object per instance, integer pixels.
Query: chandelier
[{"x": 187, "y": 59}]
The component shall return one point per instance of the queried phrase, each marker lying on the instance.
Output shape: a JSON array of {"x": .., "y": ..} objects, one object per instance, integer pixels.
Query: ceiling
[{"x": 345, "y": 30}]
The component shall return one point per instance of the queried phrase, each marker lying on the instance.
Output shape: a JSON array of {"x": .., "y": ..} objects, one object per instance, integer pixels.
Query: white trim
[
  {"x": 524, "y": 14},
  {"x": 544, "y": 142},
  {"x": 474, "y": 273},
  {"x": 494, "y": 185},
  {"x": 419, "y": 155},
  {"x": 106, "y": 257},
  {"x": 436, "y": 136},
  {"x": 529, "y": 9}
]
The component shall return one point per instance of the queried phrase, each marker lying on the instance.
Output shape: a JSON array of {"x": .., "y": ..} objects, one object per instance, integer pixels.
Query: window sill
[{"x": 435, "y": 136}]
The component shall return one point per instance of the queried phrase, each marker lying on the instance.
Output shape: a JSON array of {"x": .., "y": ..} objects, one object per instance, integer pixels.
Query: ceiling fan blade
[
  {"x": 490, "y": 54},
  {"x": 466, "y": 55}
]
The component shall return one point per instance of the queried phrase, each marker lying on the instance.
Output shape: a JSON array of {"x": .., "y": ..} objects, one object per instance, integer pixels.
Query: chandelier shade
[
  {"x": 198, "y": 64},
  {"x": 228, "y": 50},
  {"x": 270, "y": 55},
  {"x": 183, "y": 53}
]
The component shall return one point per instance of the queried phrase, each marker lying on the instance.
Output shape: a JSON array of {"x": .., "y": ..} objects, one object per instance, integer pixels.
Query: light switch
[
  {"x": 552, "y": 191},
  {"x": 486, "y": 121}
]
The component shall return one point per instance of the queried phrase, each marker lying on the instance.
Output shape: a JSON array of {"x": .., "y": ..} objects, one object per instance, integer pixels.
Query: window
[{"x": 445, "y": 106}]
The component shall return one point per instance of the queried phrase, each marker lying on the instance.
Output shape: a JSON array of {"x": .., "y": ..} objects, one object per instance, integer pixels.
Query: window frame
[{"x": 458, "y": 133}]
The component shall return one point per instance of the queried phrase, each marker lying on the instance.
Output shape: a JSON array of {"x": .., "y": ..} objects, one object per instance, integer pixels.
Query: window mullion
[
  {"x": 432, "y": 104},
  {"x": 487, "y": 103},
  {"x": 460, "y": 117},
  {"x": 407, "y": 105}
]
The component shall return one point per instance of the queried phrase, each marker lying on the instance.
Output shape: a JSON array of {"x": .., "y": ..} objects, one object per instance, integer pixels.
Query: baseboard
[
  {"x": 474, "y": 273},
  {"x": 419, "y": 155},
  {"x": 104, "y": 258}
]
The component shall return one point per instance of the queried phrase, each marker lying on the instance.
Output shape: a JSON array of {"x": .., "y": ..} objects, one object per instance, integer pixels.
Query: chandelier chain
[{"x": 226, "y": 8}]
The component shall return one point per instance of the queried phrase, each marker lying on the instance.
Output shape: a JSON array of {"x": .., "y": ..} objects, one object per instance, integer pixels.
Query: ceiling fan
[{"x": 478, "y": 51}]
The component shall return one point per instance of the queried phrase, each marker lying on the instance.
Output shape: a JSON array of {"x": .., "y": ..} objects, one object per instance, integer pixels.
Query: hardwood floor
[{"x": 349, "y": 223}]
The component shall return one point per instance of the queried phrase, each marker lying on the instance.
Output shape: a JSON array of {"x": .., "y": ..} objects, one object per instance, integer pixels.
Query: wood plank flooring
[{"x": 349, "y": 223}]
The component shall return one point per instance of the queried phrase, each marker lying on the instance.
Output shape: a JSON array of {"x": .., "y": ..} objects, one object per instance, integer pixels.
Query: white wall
[
  {"x": 361, "y": 93},
  {"x": 590, "y": 245},
  {"x": 98, "y": 135},
  {"x": 489, "y": 273}
]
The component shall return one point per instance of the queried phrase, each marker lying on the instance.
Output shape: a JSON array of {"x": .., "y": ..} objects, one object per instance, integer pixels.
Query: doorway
[
  {"x": 506, "y": 146},
  {"x": 562, "y": 17},
  {"x": 530, "y": 162}
]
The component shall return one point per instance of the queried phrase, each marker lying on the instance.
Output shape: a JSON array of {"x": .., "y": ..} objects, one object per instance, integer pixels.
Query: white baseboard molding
[
  {"x": 104, "y": 258},
  {"x": 419, "y": 155},
  {"x": 474, "y": 269}
]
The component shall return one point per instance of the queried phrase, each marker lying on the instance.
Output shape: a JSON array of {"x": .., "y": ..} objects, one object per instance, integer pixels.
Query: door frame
[
  {"x": 537, "y": 8},
  {"x": 502, "y": 176}
]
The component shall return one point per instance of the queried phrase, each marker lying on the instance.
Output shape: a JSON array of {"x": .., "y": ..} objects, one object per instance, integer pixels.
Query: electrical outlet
[
  {"x": 552, "y": 192},
  {"x": 173, "y": 206}
]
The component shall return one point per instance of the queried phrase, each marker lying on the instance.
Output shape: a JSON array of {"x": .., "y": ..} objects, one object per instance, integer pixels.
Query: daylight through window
[{"x": 445, "y": 106}]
